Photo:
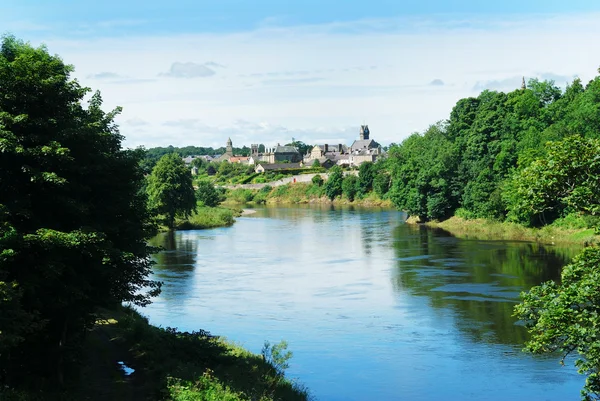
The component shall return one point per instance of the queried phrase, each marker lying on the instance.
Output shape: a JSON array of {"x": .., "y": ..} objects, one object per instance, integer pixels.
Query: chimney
[
  {"x": 326, "y": 148},
  {"x": 340, "y": 147}
]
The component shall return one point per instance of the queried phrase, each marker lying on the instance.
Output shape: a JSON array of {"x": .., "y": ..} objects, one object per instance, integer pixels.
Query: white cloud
[
  {"x": 104, "y": 75},
  {"x": 319, "y": 83},
  {"x": 190, "y": 70}
]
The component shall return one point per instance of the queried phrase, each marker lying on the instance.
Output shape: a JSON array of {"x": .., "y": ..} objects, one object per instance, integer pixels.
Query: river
[{"x": 372, "y": 308}]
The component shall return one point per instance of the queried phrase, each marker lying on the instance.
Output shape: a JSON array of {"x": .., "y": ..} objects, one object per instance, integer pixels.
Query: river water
[{"x": 372, "y": 308}]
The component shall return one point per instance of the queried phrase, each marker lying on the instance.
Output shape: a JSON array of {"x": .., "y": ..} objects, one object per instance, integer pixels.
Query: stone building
[
  {"x": 228, "y": 152},
  {"x": 277, "y": 154},
  {"x": 364, "y": 149}
]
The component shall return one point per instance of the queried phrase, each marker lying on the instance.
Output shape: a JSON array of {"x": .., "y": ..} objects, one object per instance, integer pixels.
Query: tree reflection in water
[{"x": 480, "y": 281}]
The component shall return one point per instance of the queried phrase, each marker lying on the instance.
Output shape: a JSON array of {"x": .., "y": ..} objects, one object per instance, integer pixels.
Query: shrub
[{"x": 317, "y": 179}]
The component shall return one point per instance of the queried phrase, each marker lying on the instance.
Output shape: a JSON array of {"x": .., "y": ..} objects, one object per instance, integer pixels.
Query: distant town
[{"x": 363, "y": 149}]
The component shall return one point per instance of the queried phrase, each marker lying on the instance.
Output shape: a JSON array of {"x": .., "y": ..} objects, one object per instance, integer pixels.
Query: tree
[
  {"x": 316, "y": 164},
  {"x": 381, "y": 183},
  {"x": 207, "y": 194},
  {"x": 566, "y": 180},
  {"x": 366, "y": 175},
  {"x": 73, "y": 217},
  {"x": 317, "y": 180},
  {"x": 565, "y": 317},
  {"x": 170, "y": 189},
  {"x": 333, "y": 185},
  {"x": 350, "y": 187}
]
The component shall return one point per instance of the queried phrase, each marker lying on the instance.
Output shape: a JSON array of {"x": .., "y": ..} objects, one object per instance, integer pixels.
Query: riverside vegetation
[{"x": 76, "y": 212}]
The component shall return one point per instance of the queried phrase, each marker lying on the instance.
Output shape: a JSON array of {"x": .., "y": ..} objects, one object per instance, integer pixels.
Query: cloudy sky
[{"x": 194, "y": 72}]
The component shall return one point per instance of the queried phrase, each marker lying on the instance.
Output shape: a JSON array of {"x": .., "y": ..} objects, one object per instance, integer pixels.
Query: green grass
[
  {"x": 197, "y": 366},
  {"x": 494, "y": 230},
  {"x": 207, "y": 217}
]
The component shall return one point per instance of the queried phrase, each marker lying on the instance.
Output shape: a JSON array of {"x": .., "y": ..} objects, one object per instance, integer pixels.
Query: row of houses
[{"x": 285, "y": 156}]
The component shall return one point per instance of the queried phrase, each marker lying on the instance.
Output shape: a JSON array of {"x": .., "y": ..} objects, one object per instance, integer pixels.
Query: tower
[
  {"x": 364, "y": 132},
  {"x": 523, "y": 86},
  {"x": 254, "y": 149},
  {"x": 229, "y": 148}
]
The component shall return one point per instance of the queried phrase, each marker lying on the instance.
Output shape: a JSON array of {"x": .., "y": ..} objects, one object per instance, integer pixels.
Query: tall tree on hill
[
  {"x": 73, "y": 218},
  {"x": 170, "y": 189}
]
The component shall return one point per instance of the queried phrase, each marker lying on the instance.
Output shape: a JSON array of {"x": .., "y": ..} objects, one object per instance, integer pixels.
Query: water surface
[{"x": 372, "y": 308}]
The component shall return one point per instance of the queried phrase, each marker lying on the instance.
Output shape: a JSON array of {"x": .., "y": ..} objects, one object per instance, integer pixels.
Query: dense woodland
[{"x": 527, "y": 156}]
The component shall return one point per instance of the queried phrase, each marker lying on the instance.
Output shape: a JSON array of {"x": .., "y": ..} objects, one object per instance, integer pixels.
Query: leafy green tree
[
  {"x": 381, "y": 183},
  {"x": 350, "y": 187},
  {"x": 207, "y": 194},
  {"x": 565, "y": 317},
  {"x": 333, "y": 185},
  {"x": 316, "y": 163},
  {"x": 170, "y": 189},
  {"x": 317, "y": 180},
  {"x": 423, "y": 170},
  {"x": 566, "y": 180},
  {"x": 366, "y": 175},
  {"x": 73, "y": 219}
]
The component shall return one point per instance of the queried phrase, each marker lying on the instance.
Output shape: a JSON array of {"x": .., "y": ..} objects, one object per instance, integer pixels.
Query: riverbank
[
  {"x": 126, "y": 358},
  {"x": 208, "y": 217},
  {"x": 493, "y": 230},
  {"x": 298, "y": 193}
]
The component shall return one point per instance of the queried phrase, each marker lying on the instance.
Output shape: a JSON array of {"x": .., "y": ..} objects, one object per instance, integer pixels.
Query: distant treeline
[{"x": 505, "y": 156}]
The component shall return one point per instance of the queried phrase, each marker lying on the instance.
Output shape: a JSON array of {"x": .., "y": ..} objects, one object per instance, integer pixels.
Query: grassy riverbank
[
  {"x": 168, "y": 365},
  {"x": 208, "y": 217},
  {"x": 557, "y": 233},
  {"x": 299, "y": 193}
]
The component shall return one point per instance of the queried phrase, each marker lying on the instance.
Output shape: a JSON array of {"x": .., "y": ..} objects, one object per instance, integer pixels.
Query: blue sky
[
  {"x": 195, "y": 72},
  {"x": 152, "y": 16}
]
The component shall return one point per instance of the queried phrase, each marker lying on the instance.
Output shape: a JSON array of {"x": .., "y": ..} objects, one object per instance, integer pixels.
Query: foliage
[
  {"x": 277, "y": 355},
  {"x": 317, "y": 180},
  {"x": 240, "y": 195},
  {"x": 206, "y": 217},
  {"x": 421, "y": 169},
  {"x": 333, "y": 185},
  {"x": 480, "y": 159},
  {"x": 565, "y": 317},
  {"x": 350, "y": 187},
  {"x": 73, "y": 217},
  {"x": 316, "y": 163},
  {"x": 170, "y": 189},
  {"x": 566, "y": 180},
  {"x": 199, "y": 364},
  {"x": 381, "y": 183},
  {"x": 206, "y": 194},
  {"x": 366, "y": 176}
]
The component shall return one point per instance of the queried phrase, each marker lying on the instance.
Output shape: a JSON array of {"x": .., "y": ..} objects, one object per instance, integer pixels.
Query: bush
[
  {"x": 317, "y": 179},
  {"x": 333, "y": 186},
  {"x": 241, "y": 195},
  {"x": 207, "y": 194},
  {"x": 207, "y": 217},
  {"x": 350, "y": 187}
]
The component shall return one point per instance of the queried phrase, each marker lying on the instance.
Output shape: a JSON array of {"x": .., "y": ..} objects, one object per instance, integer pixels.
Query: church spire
[{"x": 523, "y": 86}]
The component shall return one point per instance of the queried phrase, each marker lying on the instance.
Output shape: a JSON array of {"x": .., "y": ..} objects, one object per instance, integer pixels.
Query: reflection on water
[
  {"x": 481, "y": 280},
  {"x": 373, "y": 309}
]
